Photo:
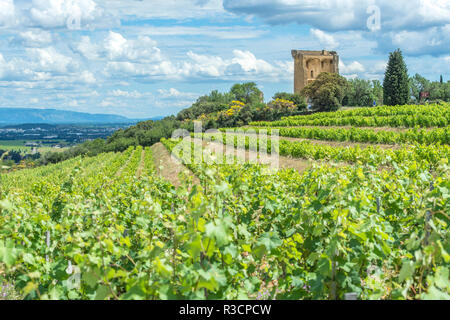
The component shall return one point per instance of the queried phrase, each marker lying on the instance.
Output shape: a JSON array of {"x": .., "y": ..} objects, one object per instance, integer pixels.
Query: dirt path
[
  {"x": 252, "y": 156},
  {"x": 119, "y": 173},
  {"x": 141, "y": 165},
  {"x": 168, "y": 167},
  {"x": 376, "y": 129},
  {"x": 343, "y": 143},
  {"x": 338, "y": 143}
]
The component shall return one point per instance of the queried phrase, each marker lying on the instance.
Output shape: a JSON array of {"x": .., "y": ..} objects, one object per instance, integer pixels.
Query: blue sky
[{"x": 155, "y": 57}]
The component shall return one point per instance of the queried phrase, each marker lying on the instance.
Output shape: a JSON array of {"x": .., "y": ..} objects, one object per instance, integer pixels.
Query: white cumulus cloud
[
  {"x": 174, "y": 93},
  {"x": 86, "y": 48},
  {"x": 61, "y": 13},
  {"x": 50, "y": 60},
  {"x": 87, "y": 77},
  {"x": 326, "y": 40},
  {"x": 249, "y": 63},
  {"x": 34, "y": 38},
  {"x": 419, "y": 26},
  {"x": 119, "y": 48},
  {"x": 7, "y": 12},
  {"x": 126, "y": 94},
  {"x": 354, "y": 67}
]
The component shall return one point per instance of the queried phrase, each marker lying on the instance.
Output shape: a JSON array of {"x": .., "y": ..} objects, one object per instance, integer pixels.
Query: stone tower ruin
[{"x": 309, "y": 64}]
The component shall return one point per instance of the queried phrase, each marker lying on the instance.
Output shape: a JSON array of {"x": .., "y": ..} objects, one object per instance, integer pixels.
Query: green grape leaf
[{"x": 407, "y": 271}]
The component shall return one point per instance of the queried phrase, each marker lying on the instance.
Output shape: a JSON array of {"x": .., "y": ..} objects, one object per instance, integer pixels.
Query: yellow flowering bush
[
  {"x": 282, "y": 104},
  {"x": 235, "y": 107}
]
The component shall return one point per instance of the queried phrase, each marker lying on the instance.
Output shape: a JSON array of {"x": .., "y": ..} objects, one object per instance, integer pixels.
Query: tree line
[{"x": 331, "y": 91}]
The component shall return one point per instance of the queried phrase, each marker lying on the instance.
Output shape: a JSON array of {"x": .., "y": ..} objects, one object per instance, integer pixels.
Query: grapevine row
[
  {"x": 239, "y": 233},
  {"x": 382, "y": 111},
  {"x": 422, "y": 136},
  {"x": 427, "y": 155},
  {"x": 371, "y": 224},
  {"x": 396, "y": 121}
]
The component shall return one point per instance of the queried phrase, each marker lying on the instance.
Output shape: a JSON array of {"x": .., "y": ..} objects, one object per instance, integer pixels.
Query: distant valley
[
  {"x": 51, "y": 134},
  {"x": 14, "y": 116}
]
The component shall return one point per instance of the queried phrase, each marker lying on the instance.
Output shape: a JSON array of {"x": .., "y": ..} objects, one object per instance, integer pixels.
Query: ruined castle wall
[{"x": 309, "y": 64}]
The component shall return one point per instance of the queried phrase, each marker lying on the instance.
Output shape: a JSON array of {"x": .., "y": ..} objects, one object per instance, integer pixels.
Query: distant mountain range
[{"x": 12, "y": 116}]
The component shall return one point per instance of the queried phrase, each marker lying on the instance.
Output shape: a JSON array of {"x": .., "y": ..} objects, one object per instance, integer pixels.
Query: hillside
[
  {"x": 11, "y": 116},
  {"x": 238, "y": 107},
  {"x": 361, "y": 210}
]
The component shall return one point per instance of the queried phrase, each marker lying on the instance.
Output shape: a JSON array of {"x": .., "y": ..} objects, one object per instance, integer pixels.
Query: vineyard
[
  {"x": 401, "y": 116},
  {"x": 368, "y": 219}
]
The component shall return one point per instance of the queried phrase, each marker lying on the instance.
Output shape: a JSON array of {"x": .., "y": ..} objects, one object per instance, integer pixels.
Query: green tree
[
  {"x": 247, "y": 93},
  {"x": 418, "y": 84},
  {"x": 298, "y": 100},
  {"x": 396, "y": 81},
  {"x": 377, "y": 89},
  {"x": 360, "y": 93},
  {"x": 327, "y": 91},
  {"x": 214, "y": 102},
  {"x": 437, "y": 91},
  {"x": 446, "y": 91}
]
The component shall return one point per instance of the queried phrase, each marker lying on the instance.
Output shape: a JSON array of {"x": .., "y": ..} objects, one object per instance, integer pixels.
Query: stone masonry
[{"x": 309, "y": 64}]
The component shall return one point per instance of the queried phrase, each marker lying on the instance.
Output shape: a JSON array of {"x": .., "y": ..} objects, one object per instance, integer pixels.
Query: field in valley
[
  {"x": 360, "y": 205},
  {"x": 20, "y": 146}
]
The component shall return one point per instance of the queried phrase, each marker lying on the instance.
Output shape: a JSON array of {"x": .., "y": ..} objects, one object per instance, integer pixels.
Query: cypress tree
[
  {"x": 442, "y": 79},
  {"x": 396, "y": 80}
]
